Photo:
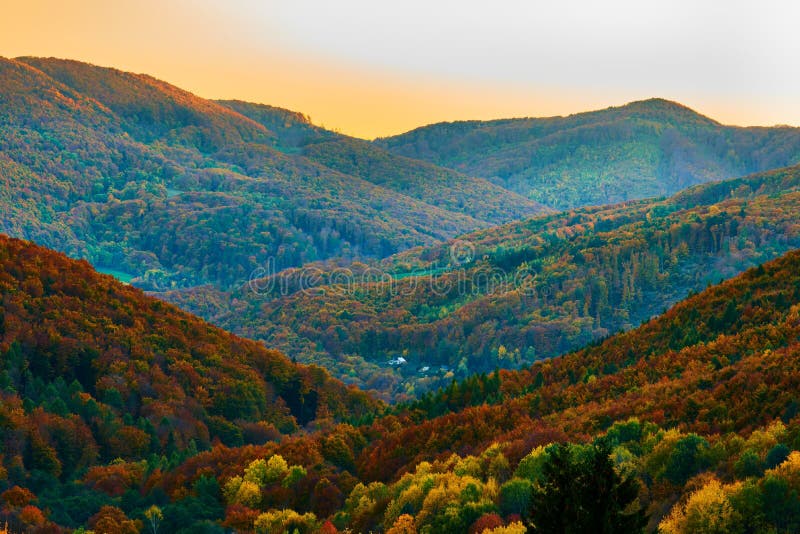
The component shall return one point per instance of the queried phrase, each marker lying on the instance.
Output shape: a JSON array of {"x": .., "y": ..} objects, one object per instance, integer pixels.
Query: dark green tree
[
  {"x": 776, "y": 456},
  {"x": 686, "y": 459},
  {"x": 515, "y": 496},
  {"x": 781, "y": 505},
  {"x": 582, "y": 492}
]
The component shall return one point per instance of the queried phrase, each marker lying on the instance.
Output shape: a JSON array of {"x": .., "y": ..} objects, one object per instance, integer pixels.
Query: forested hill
[
  {"x": 722, "y": 361},
  {"x": 688, "y": 423},
  {"x": 172, "y": 190},
  {"x": 92, "y": 370},
  {"x": 643, "y": 149},
  {"x": 521, "y": 292}
]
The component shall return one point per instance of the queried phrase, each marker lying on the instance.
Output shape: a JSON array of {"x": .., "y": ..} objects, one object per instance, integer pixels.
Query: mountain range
[
  {"x": 525, "y": 291},
  {"x": 171, "y": 190},
  {"x": 568, "y": 324},
  {"x": 197, "y": 199}
]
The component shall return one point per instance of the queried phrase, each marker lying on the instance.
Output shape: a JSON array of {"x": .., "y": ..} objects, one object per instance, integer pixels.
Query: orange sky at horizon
[{"x": 207, "y": 49}]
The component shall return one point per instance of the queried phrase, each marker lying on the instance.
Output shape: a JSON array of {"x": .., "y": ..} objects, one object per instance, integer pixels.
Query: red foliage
[
  {"x": 141, "y": 374},
  {"x": 114, "y": 479},
  {"x": 240, "y": 518},
  {"x": 485, "y": 521}
]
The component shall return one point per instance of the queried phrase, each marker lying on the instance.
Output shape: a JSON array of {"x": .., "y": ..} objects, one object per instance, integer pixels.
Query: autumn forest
[{"x": 217, "y": 316}]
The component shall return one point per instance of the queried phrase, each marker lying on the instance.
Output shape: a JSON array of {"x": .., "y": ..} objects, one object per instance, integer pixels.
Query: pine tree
[{"x": 582, "y": 492}]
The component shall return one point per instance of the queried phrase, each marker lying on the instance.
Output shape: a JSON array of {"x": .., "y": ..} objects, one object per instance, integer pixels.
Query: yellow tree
[{"x": 154, "y": 517}]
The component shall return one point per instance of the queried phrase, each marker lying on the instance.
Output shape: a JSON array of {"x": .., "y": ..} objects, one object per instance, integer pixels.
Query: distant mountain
[
  {"x": 438, "y": 186},
  {"x": 144, "y": 178},
  {"x": 643, "y": 149},
  {"x": 514, "y": 294}
]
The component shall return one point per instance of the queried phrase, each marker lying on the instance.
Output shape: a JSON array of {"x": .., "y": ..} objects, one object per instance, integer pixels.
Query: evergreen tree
[{"x": 582, "y": 492}]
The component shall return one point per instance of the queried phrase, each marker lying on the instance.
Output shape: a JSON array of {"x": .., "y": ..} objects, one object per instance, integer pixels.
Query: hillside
[
  {"x": 512, "y": 295},
  {"x": 423, "y": 181},
  {"x": 643, "y": 149},
  {"x": 173, "y": 190},
  {"x": 689, "y": 422},
  {"x": 93, "y": 370},
  {"x": 699, "y": 407}
]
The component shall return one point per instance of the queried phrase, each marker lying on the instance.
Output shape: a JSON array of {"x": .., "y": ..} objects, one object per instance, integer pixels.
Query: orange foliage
[
  {"x": 114, "y": 479},
  {"x": 31, "y": 515},
  {"x": 17, "y": 497},
  {"x": 112, "y": 520}
]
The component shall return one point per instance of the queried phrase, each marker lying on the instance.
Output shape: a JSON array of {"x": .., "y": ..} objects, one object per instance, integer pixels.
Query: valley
[{"x": 217, "y": 316}]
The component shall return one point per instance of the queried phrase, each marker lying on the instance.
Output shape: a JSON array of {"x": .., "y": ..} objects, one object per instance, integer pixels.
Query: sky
[{"x": 373, "y": 68}]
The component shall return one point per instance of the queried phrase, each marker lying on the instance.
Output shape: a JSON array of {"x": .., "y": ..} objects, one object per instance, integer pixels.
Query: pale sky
[{"x": 372, "y": 68}]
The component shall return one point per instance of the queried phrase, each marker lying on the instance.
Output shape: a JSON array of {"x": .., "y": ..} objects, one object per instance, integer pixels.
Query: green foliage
[
  {"x": 173, "y": 191},
  {"x": 748, "y": 465},
  {"x": 686, "y": 459},
  {"x": 295, "y": 474},
  {"x": 643, "y": 149},
  {"x": 776, "y": 456},
  {"x": 781, "y": 504},
  {"x": 442, "y": 187},
  {"x": 515, "y": 497},
  {"x": 531, "y": 467}
]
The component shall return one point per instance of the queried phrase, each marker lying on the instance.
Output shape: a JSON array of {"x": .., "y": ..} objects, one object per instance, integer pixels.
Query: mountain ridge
[
  {"x": 118, "y": 158},
  {"x": 641, "y": 149}
]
